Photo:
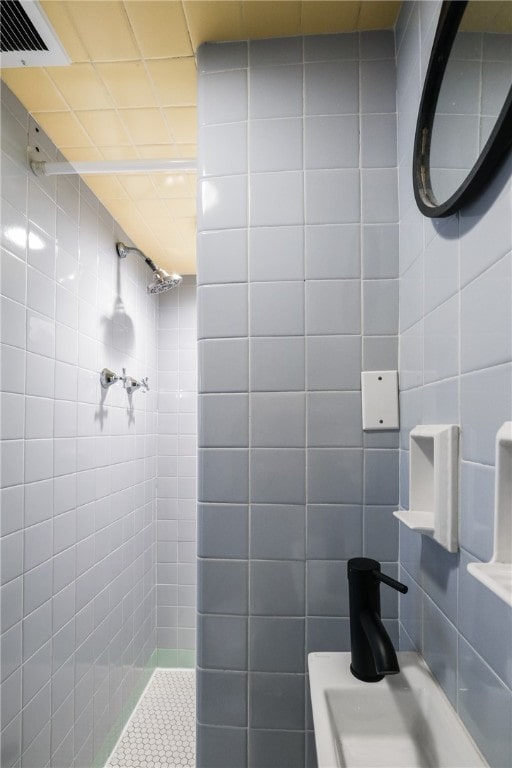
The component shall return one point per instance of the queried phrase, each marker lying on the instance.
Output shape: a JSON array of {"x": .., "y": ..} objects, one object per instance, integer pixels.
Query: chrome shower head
[{"x": 163, "y": 282}]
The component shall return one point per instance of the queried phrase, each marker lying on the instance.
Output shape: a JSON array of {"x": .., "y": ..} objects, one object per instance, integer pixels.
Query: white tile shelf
[
  {"x": 496, "y": 575},
  {"x": 433, "y": 483}
]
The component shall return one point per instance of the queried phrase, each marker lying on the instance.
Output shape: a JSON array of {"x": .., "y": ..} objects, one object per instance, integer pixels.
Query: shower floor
[{"x": 161, "y": 731}]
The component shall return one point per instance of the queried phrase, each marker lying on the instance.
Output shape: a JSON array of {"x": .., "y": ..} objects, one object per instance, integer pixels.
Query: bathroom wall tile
[
  {"x": 332, "y": 196},
  {"x": 13, "y": 323},
  {"x": 276, "y": 748},
  {"x": 277, "y": 364},
  {"x": 377, "y": 44},
  {"x": 332, "y": 307},
  {"x": 222, "y": 311},
  {"x": 332, "y": 251},
  {"x": 331, "y": 141},
  {"x": 222, "y": 203},
  {"x": 14, "y": 277},
  {"x": 411, "y": 292},
  {"x": 223, "y": 149},
  {"x": 281, "y": 50},
  {"x": 439, "y": 577},
  {"x": 277, "y": 645},
  {"x": 221, "y": 747},
  {"x": 217, "y": 598},
  {"x": 479, "y": 225},
  {"x": 486, "y": 337},
  {"x": 223, "y": 642},
  {"x": 380, "y": 307},
  {"x": 277, "y": 476},
  {"x": 327, "y": 588},
  {"x": 276, "y": 91},
  {"x": 276, "y": 199},
  {"x": 377, "y": 86},
  {"x": 277, "y": 309},
  {"x": 327, "y": 634},
  {"x": 380, "y": 353},
  {"x": 334, "y": 532},
  {"x": 483, "y": 622},
  {"x": 277, "y": 532},
  {"x": 331, "y": 47},
  {"x": 223, "y": 365},
  {"x": 441, "y": 266},
  {"x": 277, "y": 420},
  {"x": 221, "y": 482},
  {"x": 334, "y": 420},
  {"x": 378, "y": 141},
  {"x": 331, "y": 87},
  {"x": 276, "y": 588},
  {"x": 492, "y": 387},
  {"x": 231, "y": 708},
  {"x": 333, "y": 363},
  {"x": 441, "y": 341},
  {"x": 267, "y": 691},
  {"x": 380, "y": 251},
  {"x": 480, "y": 690},
  {"x": 335, "y": 476},
  {"x": 477, "y": 505},
  {"x": 212, "y": 57},
  {"x": 222, "y": 97},
  {"x": 440, "y": 648},
  {"x": 379, "y": 195},
  {"x": 224, "y": 421},
  {"x": 222, "y": 256},
  {"x": 276, "y": 253},
  {"x": 380, "y": 532},
  {"x": 275, "y": 145}
]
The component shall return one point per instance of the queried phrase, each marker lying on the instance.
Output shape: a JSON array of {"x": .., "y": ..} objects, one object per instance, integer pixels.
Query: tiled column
[{"x": 297, "y": 267}]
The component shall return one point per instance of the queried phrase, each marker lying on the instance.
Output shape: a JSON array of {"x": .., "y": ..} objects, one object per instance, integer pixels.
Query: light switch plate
[{"x": 379, "y": 390}]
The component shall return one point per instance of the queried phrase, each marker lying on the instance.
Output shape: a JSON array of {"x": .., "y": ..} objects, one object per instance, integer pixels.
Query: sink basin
[{"x": 403, "y": 721}]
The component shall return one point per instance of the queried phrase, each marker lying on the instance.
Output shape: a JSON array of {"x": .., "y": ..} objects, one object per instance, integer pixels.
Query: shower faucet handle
[
  {"x": 107, "y": 378},
  {"x": 144, "y": 384},
  {"x": 129, "y": 383}
]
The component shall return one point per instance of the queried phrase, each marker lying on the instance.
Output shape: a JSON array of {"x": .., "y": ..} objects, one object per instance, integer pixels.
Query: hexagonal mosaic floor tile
[{"x": 161, "y": 732}]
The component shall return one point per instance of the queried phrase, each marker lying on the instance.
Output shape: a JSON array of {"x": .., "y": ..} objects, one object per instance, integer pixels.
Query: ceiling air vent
[{"x": 27, "y": 38}]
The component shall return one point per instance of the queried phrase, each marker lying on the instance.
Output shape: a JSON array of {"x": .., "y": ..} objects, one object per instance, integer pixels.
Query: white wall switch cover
[{"x": 379, "y": 391}]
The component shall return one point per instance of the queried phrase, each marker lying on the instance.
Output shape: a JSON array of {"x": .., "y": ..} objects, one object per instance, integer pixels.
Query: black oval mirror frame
[{"x": 498, "y": 143}]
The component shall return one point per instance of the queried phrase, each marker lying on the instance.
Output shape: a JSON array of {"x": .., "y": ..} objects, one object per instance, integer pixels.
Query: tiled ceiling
[{"x": 130, "y": 92}]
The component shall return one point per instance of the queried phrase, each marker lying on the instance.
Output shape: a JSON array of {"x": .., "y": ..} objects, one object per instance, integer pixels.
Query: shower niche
[
  {"x": 496, "y": 575},
  {"x": 433, "y": 483}
]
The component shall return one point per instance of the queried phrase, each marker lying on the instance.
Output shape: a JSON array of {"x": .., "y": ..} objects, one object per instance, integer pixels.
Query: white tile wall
[
  {"x": 176, "y": 505},
  {"x": 78, "y": 466}
]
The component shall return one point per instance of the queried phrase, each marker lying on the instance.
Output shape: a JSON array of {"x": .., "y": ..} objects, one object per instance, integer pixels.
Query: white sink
[{"x": 403, "y": 721}]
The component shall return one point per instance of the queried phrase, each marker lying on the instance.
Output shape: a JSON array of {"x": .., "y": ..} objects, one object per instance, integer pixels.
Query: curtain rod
[{"x": 98, "y": 167}]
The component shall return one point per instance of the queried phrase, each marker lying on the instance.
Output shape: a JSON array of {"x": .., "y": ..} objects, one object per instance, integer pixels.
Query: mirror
[{"x": 465, "y": 119}]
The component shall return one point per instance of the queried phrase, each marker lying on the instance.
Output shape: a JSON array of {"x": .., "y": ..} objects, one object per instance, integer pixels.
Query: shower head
[{"x": 163, "y": 281}]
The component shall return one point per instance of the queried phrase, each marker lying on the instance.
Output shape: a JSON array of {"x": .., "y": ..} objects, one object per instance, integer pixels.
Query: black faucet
[{"x": 373, "y": 655}]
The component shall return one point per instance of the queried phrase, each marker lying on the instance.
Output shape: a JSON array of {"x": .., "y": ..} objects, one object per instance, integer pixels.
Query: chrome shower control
[
  {"x": 144, "y": 384},
  {"x": 107, "y": 378},
  {"x": 129, "y": 383}
]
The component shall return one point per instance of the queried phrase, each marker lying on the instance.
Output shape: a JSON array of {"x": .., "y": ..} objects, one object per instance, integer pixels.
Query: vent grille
[
  {"x": 17, "y": 33},
  {"x": 27, "y": 38}
]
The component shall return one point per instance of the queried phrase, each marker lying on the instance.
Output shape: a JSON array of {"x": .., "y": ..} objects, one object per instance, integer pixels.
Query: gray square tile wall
[
  {"x": 297, "y": 280},
  {"x": 455, "y": 367}
]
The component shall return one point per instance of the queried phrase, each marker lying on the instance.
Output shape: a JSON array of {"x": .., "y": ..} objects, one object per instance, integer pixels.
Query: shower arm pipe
[
  {"x": 105, "y": 167},
  {"x": 123, "y": 251}
]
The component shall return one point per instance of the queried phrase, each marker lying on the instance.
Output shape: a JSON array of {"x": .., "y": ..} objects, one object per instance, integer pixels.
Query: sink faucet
[{"x": 373, "y": 655}]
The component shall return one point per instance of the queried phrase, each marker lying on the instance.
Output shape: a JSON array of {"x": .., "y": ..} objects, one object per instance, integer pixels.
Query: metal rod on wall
[{"x": 98, "y": 167}]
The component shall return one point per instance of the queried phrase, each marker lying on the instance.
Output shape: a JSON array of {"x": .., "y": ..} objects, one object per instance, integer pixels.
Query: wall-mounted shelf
[
  {"x": 497, "y": 574},
  {"x": 433, "y": 483}
]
